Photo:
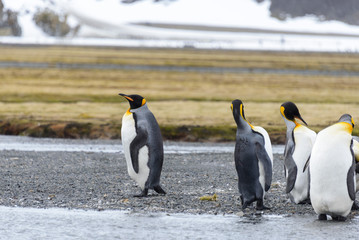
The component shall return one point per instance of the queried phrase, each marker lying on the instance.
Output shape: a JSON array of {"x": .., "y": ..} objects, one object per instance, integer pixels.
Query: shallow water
[
  {"x": 30, "y": 223},
  {"x": 19, "y": 143},
  {"x": 176, "y": 68}
]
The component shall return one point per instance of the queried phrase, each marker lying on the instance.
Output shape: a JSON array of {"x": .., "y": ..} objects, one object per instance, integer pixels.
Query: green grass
[
  {"x": 53, "y": 85},
  {"x": 188, "y": 105}
]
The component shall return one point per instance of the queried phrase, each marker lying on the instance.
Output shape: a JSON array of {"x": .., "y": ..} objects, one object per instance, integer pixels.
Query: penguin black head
[
  {"x": 290, "y": 111},
  {"x": 135, "y": 100},
  {"x": 238, "y": 113},
  {"x": 237, "y": 109},
  {"x": 347, "y": 118}
]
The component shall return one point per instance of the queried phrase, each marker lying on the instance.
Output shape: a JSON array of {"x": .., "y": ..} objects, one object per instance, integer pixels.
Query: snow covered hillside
[{"x": 232, "y": 24}]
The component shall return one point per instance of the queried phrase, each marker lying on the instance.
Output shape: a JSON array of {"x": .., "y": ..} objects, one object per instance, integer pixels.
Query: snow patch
[{"x": 112, "y": 23}]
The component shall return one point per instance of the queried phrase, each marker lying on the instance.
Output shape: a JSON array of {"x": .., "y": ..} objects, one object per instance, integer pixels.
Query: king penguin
[
  {"x": 299, "y": 143},
  {"x": 253, "y": 159},
  {"x": 332, "y": 170},
  {"x": 355, "y": 148},
  {"x": 142, "y": 144}
]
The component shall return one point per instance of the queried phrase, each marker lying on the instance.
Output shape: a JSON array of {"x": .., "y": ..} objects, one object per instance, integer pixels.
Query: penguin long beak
[
  {"x": 125, "y": 96},
  {"x": 299, "y": 117}
]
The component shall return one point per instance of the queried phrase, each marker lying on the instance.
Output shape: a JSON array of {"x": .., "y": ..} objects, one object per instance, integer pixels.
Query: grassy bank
[
  {"x": 182, "y": 57},
  {"x": 193, "y": 106}
]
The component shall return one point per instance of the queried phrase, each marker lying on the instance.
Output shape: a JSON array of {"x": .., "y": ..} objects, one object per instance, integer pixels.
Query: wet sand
[{"x": 80, "y": 180}]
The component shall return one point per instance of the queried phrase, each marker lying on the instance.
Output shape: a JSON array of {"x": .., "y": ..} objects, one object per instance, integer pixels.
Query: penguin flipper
[
  {"x": 262, "y": 156},
  {"x": 137, "y": 143},
  {"x": 306, "y": 165},
  {"x": 292, "y": 173},
  {"x": 351, "y": 176}
]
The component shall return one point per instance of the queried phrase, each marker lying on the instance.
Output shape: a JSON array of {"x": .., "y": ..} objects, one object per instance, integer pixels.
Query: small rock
[{"x": 240, "y": 214}]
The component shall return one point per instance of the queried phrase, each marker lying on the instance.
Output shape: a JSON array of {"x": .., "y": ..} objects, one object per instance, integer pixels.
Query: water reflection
[{"x": 30, "y": 223}]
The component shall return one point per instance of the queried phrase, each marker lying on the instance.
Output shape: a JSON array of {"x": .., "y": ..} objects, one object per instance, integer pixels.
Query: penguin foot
[
  {"x": 159, "y": 190},
  {"x": 355, "y": 206},
  {"x": 263, "y": 208},
  {"x": 144, "y": 193},
  {"x": 339, "y": 218},
  {"x": 322, "y": 217},
  {"x": 140, "y": 195},
  {"x": 244, "y": 206},
  {"x": 241, "y": 197},
  {"x": 306, "y": 201},
  {"x": 260, "y": 205}
]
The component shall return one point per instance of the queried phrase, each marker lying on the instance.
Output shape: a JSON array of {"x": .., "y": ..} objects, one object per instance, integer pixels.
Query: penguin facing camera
[
  {"x": 332, "y": 171},
  {"x": 142, "y": 144},
  {"x": 298, "y": 146},
  {"x": 253, "y": 159}
]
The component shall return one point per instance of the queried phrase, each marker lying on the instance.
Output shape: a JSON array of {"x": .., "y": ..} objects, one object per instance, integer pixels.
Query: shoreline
[{"x": 87, "y": 130}]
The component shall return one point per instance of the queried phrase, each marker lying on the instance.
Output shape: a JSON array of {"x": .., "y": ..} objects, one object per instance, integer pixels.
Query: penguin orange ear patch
[
  {"x": 282, "y": 110},
  {"x": 143, "y": 102},
  {"x": 241, "y": 111}
]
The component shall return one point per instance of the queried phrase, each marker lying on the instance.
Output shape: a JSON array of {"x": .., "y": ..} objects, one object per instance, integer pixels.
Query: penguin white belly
[
  {"x": 356, "y": 149},
  {"x": 304, "y": 139},
  {"x": 268, "y": 148},
  {"x": 267, "y": 142},
  {"x": 128, "y": 133},
  {"x": 301, "y": 186},
  {"x": 262, "y": 176},
  {"x": 144, "y": 170},
  {"x": 356, "y": 154},
  {"x": 329, "y": 169}
]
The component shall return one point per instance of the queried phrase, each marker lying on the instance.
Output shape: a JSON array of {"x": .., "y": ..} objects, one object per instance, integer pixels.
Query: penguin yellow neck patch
[
  {"x": 241, "y": 111},
  {"x": 128, "y": 112},
  {"x": 346, "y": 127}
]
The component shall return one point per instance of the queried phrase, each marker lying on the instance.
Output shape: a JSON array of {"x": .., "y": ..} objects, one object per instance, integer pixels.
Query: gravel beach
[{"x": 80, "y": 180}]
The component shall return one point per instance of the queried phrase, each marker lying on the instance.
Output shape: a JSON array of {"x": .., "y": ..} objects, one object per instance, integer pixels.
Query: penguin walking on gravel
[
  {"x": 253, "y": 159},
  {"x": 299, "y": 142},
  {"x": 332, "y": 171},
  {"x": 142, "y": 144}
]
